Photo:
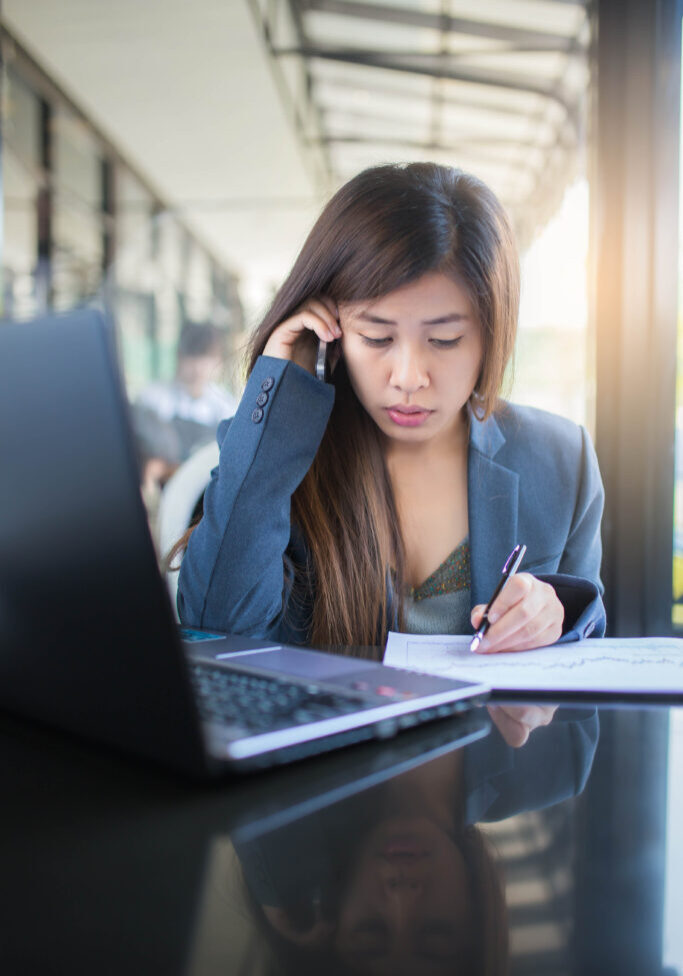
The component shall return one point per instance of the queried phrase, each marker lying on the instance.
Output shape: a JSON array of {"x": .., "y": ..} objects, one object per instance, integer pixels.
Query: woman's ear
[{"x": 316, "y": 935}]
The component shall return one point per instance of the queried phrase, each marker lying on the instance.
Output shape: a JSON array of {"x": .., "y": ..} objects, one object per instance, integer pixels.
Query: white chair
[{"x": 178, "y": 501}]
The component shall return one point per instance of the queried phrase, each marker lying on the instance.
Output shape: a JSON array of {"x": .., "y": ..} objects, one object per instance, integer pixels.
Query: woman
[{"x": 391, "y": 496}]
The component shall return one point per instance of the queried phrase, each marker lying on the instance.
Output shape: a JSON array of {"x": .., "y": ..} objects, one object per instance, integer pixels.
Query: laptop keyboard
[{"x": 264, "y": 704}]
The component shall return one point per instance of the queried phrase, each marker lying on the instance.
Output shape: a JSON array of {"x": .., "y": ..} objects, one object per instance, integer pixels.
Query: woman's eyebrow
[
  {"x": 443, "y": 319},
  {"x": 373, "y": 319},
  {"x": 440, "y": 320}
]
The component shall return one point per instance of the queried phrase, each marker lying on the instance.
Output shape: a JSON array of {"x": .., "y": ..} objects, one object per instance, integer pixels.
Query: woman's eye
[{"x": 378, "y": 343}]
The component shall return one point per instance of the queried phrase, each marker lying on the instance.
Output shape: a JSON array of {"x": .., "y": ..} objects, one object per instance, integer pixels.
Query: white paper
[{"x": 644, "y": 664}]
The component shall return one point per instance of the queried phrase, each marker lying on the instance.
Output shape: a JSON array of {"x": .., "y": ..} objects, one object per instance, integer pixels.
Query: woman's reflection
[
  {"x": 399, "y": 880},
  {"x": 422, "y": 897},
  {"x": 417, "y": 891}
]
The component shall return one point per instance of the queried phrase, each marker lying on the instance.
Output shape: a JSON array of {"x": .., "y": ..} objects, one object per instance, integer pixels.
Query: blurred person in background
[
  {"x": 173, "y": 418},
  {"x": 192, "y": 403}
]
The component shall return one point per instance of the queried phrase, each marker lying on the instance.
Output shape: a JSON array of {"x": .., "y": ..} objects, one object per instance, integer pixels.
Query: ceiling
[
  {"x": 497, "y": 87},
  {"x": 245, "y": 114}
]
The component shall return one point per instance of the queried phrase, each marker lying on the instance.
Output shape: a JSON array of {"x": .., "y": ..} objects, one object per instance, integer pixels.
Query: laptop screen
[{"x": 87, "y": 638}]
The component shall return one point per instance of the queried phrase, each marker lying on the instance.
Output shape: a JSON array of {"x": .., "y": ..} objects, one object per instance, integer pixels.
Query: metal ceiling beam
[
  {"x": 440, "y": 144},
  {"x": 348, "y": 120},
  {"x": 471, "y": 157},
  {"x": 385, "y": 91},
  {"x": 404, "y": 16},
  {"x": 299, "y": 104},
  {"x": 454, "y": 143},
  {"x": 430, "y": 145},
  {"x": 432, "y": 66}
]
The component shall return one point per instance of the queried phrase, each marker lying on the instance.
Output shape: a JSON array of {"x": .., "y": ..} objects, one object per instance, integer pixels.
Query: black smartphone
[{"x": 322, "y": 365}]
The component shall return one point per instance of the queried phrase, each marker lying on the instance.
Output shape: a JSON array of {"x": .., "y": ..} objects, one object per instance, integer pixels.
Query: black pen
[{"x": 509, "y": 569}]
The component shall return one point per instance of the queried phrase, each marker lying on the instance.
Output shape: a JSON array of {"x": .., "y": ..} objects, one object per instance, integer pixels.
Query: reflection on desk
[
  {"x": 445, "y": 851},
  {"x": 398, "y": 879}
]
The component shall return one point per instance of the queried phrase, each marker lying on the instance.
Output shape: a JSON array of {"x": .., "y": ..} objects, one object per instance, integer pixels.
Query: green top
[{"x": 441, "y": 605}]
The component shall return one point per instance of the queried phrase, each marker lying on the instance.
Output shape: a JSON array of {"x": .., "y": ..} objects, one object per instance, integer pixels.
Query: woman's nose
[
  {"x": 408, "y": 370},
  {"x": 400, "y": 882}
]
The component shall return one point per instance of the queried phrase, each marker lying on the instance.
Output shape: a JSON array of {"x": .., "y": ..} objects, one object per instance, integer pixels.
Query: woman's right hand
[
  {"x": 295, "y": 338},
  {"x": 516, "y": 722}
]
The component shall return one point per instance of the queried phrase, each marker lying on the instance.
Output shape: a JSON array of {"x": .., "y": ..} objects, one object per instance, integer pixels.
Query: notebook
[{"x": 88, "y": 639}]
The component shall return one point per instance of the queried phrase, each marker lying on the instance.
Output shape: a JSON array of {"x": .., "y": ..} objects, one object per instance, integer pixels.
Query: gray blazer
[{"x": 532, "y": 477}]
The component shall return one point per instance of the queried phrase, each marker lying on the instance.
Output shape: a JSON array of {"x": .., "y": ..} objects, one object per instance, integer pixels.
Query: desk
[{"x": 564, "y": 855}]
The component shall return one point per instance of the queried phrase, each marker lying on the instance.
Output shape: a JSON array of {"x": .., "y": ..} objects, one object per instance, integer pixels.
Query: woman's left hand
[{"x": 525, "y": 614}]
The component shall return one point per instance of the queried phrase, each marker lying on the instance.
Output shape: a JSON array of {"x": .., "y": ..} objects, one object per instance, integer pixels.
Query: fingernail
[{"x": 483, "y": 646}]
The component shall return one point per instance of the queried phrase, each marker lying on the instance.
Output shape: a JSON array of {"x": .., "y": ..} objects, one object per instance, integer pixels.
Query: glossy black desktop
[{"x": 564, "y": 856}]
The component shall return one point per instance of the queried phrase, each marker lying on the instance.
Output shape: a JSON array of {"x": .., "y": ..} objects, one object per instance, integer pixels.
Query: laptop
[{"x": 88, "y": 638}]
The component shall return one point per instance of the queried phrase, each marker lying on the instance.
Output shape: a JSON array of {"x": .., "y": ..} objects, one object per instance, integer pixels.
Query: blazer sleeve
[
  {"x": 577, "y": 581},
  {"x": 232, "y": 577},
  {"x": 551, "y": 767}
]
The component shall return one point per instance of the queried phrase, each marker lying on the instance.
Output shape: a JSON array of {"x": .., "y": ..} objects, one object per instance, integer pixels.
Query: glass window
[
  {"x": 677, "y": 608},
  {"x": 155, "y": 273},
  {"x": 21, "y": 181},
  {"x": 76, "y": 159},
  {"x": 134, "y": 209},
  {"x": 132, "y": 280},
  {"x": 77, "y": 221},
  {"x": 552, "y": 369},
  {"x": 77, "y": 252},
  {"x": 170, "y": 261},
  {"x": 198, "y": 283},
  {"x": 135, "y": 316}
]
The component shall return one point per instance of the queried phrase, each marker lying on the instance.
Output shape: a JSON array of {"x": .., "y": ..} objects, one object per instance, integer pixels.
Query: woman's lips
[{"x": 408, "y": 416}]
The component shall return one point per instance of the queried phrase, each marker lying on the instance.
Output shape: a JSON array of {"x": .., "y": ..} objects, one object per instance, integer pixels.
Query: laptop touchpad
[{"x": 306, "y": 664}]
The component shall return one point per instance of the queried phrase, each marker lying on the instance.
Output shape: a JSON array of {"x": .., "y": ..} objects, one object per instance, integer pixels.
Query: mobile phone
[{"x": 322, "y": 367}]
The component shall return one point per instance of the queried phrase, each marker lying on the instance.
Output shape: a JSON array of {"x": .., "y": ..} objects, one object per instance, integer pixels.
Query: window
[{"x": 677, "y": 608}]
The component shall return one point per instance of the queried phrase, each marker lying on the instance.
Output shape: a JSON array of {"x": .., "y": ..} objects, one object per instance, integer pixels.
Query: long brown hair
[{"x": 383, "y": 229}]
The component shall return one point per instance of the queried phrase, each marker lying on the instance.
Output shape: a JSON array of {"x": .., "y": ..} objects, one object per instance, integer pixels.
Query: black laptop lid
[{"x": 87, "y": 638}]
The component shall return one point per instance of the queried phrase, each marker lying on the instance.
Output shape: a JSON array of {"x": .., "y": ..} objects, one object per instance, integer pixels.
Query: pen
[{"x": 509, "y": 569}]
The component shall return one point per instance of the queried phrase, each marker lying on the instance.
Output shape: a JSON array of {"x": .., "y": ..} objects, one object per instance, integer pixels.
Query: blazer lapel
[{"x": 492, "y": 503}]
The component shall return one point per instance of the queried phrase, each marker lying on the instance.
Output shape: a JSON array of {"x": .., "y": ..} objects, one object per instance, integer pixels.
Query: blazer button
[
  {"x": 262, "y": 399},
  {"x": 268, "y": 384},
  {"x": 257, "y": 415}
]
